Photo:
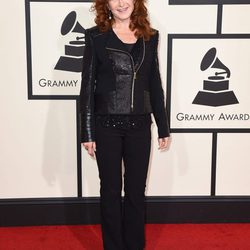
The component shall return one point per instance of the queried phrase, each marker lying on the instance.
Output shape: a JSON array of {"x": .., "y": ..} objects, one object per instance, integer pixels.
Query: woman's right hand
[{"x": 90, "y": 147}]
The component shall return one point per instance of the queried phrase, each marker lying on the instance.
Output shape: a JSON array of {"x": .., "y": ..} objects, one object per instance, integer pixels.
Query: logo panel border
[{"x": 171, "y": 38}]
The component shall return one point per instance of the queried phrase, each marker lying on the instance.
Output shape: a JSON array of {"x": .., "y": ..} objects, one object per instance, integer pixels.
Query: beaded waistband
[{"x": 123, "y": 121}]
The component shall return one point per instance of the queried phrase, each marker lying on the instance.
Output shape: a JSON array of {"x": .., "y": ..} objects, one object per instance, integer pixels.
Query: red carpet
[{"x": 159, "y": 237}]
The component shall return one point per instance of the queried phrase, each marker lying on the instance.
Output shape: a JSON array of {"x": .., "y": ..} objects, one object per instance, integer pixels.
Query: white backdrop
[{"x": 38, "y": 154}]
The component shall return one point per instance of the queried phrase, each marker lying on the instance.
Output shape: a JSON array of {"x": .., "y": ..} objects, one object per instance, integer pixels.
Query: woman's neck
[
  {"x": 123, "y": 32},
  {"x": 121, "y": 24}
]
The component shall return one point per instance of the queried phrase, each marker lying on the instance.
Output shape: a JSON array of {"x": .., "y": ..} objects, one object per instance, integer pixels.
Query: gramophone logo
[
  {"x": 216, "y": 88},
  {"x": 73, "y": 54}
]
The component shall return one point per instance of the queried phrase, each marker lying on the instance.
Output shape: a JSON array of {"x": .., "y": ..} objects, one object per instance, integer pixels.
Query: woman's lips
[{"x": 122, "y": 10}]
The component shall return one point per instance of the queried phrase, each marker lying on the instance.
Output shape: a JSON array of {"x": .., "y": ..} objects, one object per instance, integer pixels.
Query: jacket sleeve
[
  {"x": 157, "y": 95},
  {"x": 87, "y": 126}
]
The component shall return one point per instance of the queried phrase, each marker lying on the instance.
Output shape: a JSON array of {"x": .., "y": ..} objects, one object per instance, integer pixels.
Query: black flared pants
[{"x": 123, "y": 223}]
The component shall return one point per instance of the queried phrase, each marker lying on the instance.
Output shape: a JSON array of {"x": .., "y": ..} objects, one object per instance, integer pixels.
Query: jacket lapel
[{"x": 137, "y": 53}]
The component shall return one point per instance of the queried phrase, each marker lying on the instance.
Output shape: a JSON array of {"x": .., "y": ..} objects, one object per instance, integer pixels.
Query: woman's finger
[
  {"x": 91, "y": 151},
  {"x": 163, "y": 143},
  {"x": 94, "y": 146},
  {"x": 160, "y": 143},
  {"x": 90, "y": 147}
]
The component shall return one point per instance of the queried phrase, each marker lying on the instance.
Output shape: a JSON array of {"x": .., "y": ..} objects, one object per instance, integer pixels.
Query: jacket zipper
[{"x": 134, "y": 71}]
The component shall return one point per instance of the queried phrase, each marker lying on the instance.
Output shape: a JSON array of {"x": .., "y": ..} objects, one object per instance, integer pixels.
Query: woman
[{"x": 121, "y": 87}]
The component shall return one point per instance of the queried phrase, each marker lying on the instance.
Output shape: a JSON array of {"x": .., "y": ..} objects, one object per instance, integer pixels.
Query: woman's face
[{"x": 121, "y": 9}]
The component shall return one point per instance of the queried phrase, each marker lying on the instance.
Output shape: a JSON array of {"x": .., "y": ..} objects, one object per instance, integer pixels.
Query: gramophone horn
[
  {"x": 208, "y": 59},
  {"x": 68, "y": 23},
  {"x": 211, "y": 61},
  {"x": 71, "y": 25},
  {"x": 219, "y": 65},
  {"x": 78, "y": 28}
]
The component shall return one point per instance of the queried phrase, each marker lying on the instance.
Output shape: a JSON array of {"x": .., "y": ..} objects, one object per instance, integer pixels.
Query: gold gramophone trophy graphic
[
  {"x": 72, "y": 60},
  {"x": 216, "y": 88}
]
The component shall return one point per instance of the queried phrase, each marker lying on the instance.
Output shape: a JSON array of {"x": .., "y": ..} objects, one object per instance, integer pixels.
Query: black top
[{"x": 129, "y": 46}]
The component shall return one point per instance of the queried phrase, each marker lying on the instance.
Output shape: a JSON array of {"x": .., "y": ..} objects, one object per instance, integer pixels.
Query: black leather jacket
[{"x": 115, "y": 81}]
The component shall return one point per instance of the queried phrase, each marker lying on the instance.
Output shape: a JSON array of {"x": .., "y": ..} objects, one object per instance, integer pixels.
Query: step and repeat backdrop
[{"x": 204, "y": 54}]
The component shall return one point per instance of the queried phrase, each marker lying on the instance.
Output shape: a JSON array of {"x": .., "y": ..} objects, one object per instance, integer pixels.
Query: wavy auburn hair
[{"x": 139, "y": 18}]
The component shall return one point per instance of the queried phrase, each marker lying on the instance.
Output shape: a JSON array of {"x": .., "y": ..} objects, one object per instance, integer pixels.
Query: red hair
[{"x": 139, "y": 18}]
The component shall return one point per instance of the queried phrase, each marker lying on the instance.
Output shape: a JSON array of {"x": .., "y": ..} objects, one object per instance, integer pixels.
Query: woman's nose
[{"x": 121, "y": 3}]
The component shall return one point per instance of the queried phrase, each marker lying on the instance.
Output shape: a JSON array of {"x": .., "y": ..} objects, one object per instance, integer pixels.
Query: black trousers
[{"x": 123, "y": 223}]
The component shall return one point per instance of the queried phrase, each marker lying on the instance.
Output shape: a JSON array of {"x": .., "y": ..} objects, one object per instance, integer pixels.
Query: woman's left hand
[{"x": 163, "y": 142}]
